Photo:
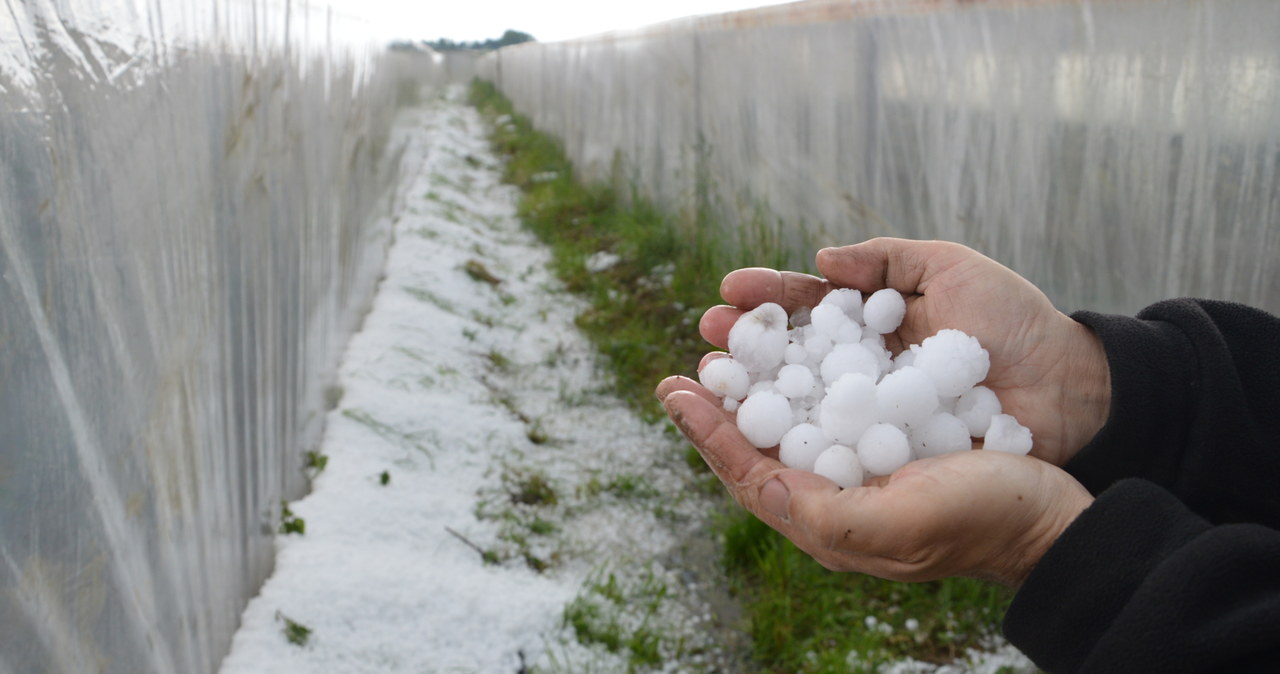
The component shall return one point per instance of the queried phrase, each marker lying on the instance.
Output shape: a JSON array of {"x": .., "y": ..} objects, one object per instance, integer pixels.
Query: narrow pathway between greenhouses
[
  {"x": 483, "y": 504},
  {"x": 480, "y": 501}
]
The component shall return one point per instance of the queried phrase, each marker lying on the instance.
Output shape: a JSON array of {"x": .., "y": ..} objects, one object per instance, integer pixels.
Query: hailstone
[
  {"x": 800, "y": 447},
  {"x": 840, "y": 465},
  {"x": 955, "y": 361},
  {"x": 884, "y": 310},
  {"x": 941, "y": 434},
  {"x": 764, "y": 418},
  {"x": 726, "y": 378},
  {"x": 975, "y": 408},
  {"x": 883, "y": 449},
  {"x": 758, "y": 339},
  {"x": 1007, "y": 435}
]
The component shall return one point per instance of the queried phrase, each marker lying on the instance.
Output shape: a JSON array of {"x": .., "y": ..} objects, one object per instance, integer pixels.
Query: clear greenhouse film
[
  {"x": 1115, "y": 153},
  {"x": 190, "y": 202}
]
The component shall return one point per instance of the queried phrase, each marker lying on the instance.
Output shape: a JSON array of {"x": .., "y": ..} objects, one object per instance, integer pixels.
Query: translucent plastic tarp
[
  {"x": 1115, "y": 153},
  {"x": 189, "y": 195}
]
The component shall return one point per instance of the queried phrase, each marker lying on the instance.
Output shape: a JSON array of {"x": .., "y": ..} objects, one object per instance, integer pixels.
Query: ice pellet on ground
[
  {"x": 941, "y": 434},
  {"x": 839, "y": 464},
  {"x": 906, "y": 397},
  {"x": 884, "y": 310},
  {"x": 794, "y": 381},
  {"x": 758, "y": 339},
  {"x": 975, "y": 408},
  {"x": 726, "y": 378},
  {"x": 955, "y": 361},
  {"x": 801, "y": 445},
  {"x": 883, "y": 449},
  {"x": 764, "y": 418},
  {"x": 1007, "y": 435}
]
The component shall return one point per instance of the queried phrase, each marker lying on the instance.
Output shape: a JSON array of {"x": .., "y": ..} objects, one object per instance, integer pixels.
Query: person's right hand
[{"x": 1048, "y": 370}]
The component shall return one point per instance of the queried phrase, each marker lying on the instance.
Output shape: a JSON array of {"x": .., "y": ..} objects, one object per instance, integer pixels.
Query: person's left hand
[{"x": 982, "y": 514}]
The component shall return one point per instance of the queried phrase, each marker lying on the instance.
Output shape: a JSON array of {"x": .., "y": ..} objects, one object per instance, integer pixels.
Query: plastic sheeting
[
  {"x": 1115, "y": 153},
  {"x": 189, "y": 195}
]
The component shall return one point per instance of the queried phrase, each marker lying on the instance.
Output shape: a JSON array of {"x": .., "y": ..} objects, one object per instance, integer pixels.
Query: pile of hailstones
[{"x": 835, "y": 402}]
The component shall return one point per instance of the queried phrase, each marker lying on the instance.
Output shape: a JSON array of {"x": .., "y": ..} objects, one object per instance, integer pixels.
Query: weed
[
  {"x": 390, "y": 433},
  {"x": 384, "y": 478},
  {"x": 315, "y": 463},
  {"x": 529, "y": 487},
  {"x": 424, "y": 295},
  {"x": 290, "y": 523},
  {"x": 478, "y": 272},
  {"x": 536, "y": 434},
  {"x": 294, "y": 632}
]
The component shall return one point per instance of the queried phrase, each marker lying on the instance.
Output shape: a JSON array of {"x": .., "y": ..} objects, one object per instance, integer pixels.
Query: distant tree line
[{"x": 445, "y": 44}]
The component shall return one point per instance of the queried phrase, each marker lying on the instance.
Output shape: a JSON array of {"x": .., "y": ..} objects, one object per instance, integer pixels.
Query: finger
[
  {"x": 717, "y": 322},
  {"x": 749, "y": 288},
  {"x": 901, "y": 264},
  {"x": 672, "y": 384},
  {"x": 734, "y": 460}
]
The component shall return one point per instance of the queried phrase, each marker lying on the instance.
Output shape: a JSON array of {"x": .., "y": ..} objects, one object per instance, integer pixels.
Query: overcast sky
[{"x": 546, "y": 20}]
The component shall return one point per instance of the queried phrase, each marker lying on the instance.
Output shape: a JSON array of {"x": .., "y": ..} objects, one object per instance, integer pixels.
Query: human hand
[
  {"x": 1048, "y": 370},
  {"x": 988, "y": 515}
]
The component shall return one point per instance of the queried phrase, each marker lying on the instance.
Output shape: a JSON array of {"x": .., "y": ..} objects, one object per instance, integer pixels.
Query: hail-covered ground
[{"x": 480, "y": 502}]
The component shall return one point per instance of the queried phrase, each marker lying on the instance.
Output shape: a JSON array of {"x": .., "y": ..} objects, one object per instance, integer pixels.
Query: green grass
[{"x": 643, "y": 317}]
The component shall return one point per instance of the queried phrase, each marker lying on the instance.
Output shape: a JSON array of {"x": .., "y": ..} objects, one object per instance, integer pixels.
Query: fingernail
[{"x": 774, "y": 497}]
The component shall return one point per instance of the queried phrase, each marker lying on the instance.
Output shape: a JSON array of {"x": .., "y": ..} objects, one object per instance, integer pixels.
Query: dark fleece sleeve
[{"x": 1176, "y": 565}]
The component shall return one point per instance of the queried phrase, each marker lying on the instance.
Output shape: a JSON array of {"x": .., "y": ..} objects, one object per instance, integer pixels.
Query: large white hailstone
[
  {"x": 849, "y": 333},
  {"x": 795, "y": 353},
  {"x": 975, "y": 408},
  {"x": 827, "y": 320},
  {"x": 849, "y": 409},
  {"x": 726, "y": 378},
  {"x": 1007, "y": 435},
  {"x": 849, "y": 301},
  {"x": 884, "y": 310},
  {"x": 801, "y": 445},
  {"x": 794, "y": 381},
  {"x": 883, "y": 448},
  {"x": 846, "y": 358},
  {"x": 906, "y": 397},
  {"x": 764, "y": 418},
  {"x": 817, "y": 346},
  {"x": 840, "y": 465},
  {"x": 954, "y": 361},
  {"x": 942, "y": 434},
  {"x": 758, "y": 339}
]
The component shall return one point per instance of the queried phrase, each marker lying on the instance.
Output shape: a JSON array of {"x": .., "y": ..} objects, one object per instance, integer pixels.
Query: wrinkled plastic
[
  {"x": 189, "y": 225},
  {"x": 1115, "y": 153}
]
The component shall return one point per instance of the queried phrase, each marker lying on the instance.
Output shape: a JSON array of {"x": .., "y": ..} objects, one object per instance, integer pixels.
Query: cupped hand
[
  {"x": 981, "y": 514},
  {"x": 1048, "y": 370}
]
